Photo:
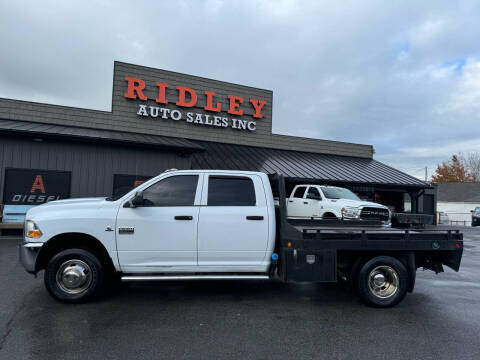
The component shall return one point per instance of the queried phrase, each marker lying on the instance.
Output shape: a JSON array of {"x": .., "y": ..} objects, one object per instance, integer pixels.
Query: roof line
[{"x": 194, "y": 76}]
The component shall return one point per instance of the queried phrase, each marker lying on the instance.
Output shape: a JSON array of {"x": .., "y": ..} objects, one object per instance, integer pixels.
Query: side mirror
[
  {"x": 472, "y": 211},
  {"x": 138, "y": 200}
]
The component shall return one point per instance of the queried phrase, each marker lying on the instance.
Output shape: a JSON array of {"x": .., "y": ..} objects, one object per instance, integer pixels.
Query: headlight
[
  {"x": 31, "y": 230},
  {"x": 351, "y": 213}
]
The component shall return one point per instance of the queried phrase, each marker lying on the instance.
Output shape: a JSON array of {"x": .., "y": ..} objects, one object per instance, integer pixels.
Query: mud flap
[
  {"x": 452, "y": 259},
  {"x": 435, "y": 261}
]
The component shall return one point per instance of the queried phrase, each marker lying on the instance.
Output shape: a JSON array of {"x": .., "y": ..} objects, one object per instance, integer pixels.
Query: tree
[
  {"x": 471, "y": 162},
  {"x": 451, "y": 171}
]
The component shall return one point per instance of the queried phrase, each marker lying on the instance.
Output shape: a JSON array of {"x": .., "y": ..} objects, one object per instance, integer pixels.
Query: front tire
[
  {"x": 383, "y": 282},
  {"x": 74, "y": 276}
]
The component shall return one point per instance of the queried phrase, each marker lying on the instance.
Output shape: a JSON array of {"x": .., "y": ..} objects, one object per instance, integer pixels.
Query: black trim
[
  {"x": 183, "y": 217},
  {"x": 54, "y": 131},
  {"x": 255, "y": 218}
]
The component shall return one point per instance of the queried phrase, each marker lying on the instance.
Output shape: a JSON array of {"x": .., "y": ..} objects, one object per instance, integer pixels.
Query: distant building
[{"x": 457, "y": 200}]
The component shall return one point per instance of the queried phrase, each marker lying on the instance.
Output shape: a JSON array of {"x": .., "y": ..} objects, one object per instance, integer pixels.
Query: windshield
[
  {"x": 338, "y": 193},
  {"x": 477, "y": 211}
]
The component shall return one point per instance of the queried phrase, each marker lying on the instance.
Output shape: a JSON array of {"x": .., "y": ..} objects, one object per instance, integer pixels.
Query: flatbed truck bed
[{"x": 318, "y": 251}]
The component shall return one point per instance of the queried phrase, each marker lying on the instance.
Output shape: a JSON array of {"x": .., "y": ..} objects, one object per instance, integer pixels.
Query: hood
[
  {"x": 78, "y": 201},
  {"x": 358, "y": 203},
  {"x": 67, "y": 204}
]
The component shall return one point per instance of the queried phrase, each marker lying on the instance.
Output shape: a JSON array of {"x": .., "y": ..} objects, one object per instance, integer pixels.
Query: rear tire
[
  {"x": 74, "y": 276},
  {"x": 383, "y": 282}
]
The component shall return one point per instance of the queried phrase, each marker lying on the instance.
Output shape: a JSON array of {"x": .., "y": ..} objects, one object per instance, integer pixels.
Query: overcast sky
[{"x": 403, "y": 76}]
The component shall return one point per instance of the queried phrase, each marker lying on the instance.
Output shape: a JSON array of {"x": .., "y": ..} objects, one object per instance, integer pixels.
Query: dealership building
[{"x": 161, "y": 120}]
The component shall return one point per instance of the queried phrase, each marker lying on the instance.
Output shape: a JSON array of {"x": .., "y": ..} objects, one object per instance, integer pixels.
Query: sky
[{"x": 403, "y": 76}]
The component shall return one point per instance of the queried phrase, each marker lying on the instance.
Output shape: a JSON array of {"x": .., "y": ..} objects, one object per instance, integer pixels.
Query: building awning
[
  {"x": 97, "y": 135},
  {"x": 331, "y": 169}
]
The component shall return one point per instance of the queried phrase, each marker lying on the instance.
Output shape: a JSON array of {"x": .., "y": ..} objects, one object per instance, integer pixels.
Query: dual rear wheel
[{"x": 383, "y": 281}]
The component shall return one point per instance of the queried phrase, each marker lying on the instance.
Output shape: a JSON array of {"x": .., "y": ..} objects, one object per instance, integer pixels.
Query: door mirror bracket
[{"x": 137, "y": 200}]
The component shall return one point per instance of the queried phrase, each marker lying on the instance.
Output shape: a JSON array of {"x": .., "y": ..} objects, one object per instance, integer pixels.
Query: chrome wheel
[
  {"x": 74, "y": 276},
  {"x": 383, "y": 281}
]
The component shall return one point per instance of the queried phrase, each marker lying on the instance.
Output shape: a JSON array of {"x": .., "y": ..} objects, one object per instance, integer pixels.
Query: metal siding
[
  {"x": 301, "y": 165},
  {"x": 92, "y": 165}
]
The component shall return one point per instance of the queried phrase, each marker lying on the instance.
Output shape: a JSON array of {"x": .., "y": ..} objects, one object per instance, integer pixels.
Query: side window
[
  {"x": 299, "y": 192},
  {"x": 176, "y": 190},
  {"x": 230, "y": 191},
  {"x": 313, "y": 193}
]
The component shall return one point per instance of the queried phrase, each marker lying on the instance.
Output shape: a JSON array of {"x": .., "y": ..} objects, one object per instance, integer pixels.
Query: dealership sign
[
  {"x": 35, "y": 187},
  {"x": 187, "y": 98}
]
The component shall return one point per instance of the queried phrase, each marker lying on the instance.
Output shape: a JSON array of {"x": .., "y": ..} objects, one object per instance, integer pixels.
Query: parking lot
[{"x": 244, "y": 320}]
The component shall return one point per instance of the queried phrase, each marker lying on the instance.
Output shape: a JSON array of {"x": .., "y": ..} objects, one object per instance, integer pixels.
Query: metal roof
[
  {"x": 97, "y": 135},
  {"x": 333, "y": 169},
  {"x": 459, "y": 192}
]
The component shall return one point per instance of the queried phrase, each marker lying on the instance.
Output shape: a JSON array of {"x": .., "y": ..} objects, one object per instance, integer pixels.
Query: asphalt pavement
[{"x": 242, "y": 320}]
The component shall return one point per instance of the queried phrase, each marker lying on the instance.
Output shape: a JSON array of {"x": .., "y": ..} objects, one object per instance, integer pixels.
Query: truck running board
[{"x": 192, "y": 277}]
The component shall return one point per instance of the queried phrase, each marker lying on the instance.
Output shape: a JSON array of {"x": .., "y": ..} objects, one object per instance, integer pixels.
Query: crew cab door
[
  {"x": 161, "y": 234},
  {"x": 296, "y": 205},
  {"x": 233, "y": 228},
  {"x": 313, "y": 201}
]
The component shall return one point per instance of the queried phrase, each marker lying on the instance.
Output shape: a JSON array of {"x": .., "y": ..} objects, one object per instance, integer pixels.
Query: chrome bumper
[{"x": 28, "y": 253}]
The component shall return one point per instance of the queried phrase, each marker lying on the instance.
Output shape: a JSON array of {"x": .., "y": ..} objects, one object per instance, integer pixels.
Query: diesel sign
[{"x": 35, "y": 187}]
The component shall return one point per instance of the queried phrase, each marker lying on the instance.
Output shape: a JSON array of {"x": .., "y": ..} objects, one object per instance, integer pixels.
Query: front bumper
[
  {"x": 28, "y": 253},
  {"x": 381, "y": 223}
]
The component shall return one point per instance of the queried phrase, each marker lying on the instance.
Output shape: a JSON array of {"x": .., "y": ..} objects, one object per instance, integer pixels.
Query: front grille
[{"x": 371, "y": 213}]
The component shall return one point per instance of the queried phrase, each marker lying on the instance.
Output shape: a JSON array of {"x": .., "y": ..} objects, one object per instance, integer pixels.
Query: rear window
[
  {"x": 230, "y": 191},
  {"x": 299, "y": 192}
]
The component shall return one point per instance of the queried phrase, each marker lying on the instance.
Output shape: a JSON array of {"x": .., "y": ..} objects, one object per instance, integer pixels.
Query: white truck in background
[{"x": 331, "y": 202}]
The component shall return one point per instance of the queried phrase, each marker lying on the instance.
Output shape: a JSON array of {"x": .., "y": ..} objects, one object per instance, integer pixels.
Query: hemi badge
[{"x": 126, "y": 230}]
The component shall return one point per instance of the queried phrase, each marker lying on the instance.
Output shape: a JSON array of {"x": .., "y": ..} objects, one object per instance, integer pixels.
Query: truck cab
[
  {"x": 197, "y": 222},
  {"x": 332, "y": 202}
]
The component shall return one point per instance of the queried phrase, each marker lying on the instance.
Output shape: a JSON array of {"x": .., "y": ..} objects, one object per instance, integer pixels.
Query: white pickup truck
[
  {"x": 331, "y": 202},
  {"x": 188, "y": 225}
]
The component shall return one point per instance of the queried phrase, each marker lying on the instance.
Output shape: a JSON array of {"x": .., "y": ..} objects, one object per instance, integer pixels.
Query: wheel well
[
  {"x": 71, "y": 240},
  {"x": 329, "y": 215},
  {"x": 350, "y": 262}
]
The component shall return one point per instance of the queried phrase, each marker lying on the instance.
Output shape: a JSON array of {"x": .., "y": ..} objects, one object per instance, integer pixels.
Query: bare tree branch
[{"x": 471, "y": 162}]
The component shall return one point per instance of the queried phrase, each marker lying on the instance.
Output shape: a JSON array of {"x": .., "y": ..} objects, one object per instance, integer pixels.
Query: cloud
[
  {"x": 402, "y": 76},
  {"x": 465, "y": 98}
]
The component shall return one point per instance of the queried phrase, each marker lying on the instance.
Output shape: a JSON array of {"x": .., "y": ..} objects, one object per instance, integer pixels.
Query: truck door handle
[
  {"x": 183, "y": 217},
  {"x": 254, "y": 217},
  {"x": 305, "y": 202},
  {"x": 290, "y": 200}
]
